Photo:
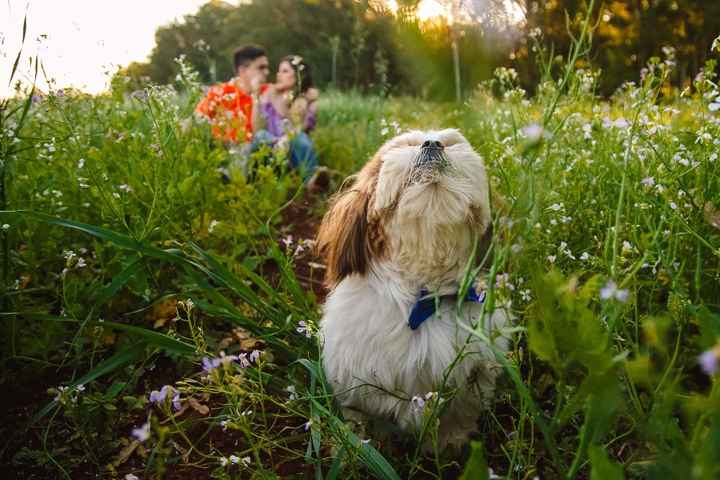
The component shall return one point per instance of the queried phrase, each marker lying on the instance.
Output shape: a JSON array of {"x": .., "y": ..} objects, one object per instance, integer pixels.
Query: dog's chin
[{"x": 434, "y": 197}]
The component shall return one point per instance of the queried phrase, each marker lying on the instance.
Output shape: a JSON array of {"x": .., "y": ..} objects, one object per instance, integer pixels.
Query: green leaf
[
  {"x": 152, "y": 337},
  {"x": 562, "y": 328},
  {"x": 44, "y": 317},
  {"x": 19, "y": 54},
  {"x": 602, "y": 468},
  {"x": 476, "y": 467},
  {"x": 114, "y": 390},
  {"x": 223, "y": 276},
  {"x": 120, "y": 240},
  {"x": 117, "y": 283},
  {"x": 604, "y": 403},
  {"x": 709, "y": 324},
  {"x": 336, "y": 465}
]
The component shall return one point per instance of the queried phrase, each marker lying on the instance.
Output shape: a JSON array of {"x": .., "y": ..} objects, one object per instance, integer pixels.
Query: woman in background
[{"x": 288, "y": 112}]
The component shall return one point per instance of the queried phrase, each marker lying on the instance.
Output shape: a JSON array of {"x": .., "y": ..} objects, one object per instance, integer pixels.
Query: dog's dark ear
[{"x": 343, "y": 239}]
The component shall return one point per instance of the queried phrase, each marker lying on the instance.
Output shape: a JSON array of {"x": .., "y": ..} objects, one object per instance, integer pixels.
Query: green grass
[{"x": 129, "y": 260}]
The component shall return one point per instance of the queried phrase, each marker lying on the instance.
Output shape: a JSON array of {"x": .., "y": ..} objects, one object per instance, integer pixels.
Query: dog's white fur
[{"x": 390, "y": 234}]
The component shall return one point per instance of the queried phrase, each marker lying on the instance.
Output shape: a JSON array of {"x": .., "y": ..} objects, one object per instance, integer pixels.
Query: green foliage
[
  {"x": 563, "y": 330},
  {"x": 602, "y": 467},
  {"x": 383, "y": 51},
  {"x": 476, "y": 467},
  {"x": 627, "y": 35},
  {"x": 380, "y": 52}
]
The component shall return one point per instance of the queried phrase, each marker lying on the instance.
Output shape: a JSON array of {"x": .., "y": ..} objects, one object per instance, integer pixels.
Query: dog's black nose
[{"x": 432, "y": 144}]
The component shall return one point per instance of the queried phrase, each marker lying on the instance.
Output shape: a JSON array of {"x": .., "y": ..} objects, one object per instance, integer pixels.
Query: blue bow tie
[{"x": 424, "y": 308}]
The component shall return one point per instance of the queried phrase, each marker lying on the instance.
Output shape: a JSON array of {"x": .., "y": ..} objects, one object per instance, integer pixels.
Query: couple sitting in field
[{"x": 248, "y": 112}]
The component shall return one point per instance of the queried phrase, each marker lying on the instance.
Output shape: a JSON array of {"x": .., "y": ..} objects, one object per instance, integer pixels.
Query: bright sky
[
  {"x": 86, "y": 39},
  {"x": 428, "y": 9}
]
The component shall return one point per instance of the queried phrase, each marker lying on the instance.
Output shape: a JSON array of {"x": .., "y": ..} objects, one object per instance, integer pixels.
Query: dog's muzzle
[{"x": 430, "y": 162}]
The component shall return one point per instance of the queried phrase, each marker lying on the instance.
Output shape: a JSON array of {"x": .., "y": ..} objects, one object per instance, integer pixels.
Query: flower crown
[{"x": 297, "y": 62}]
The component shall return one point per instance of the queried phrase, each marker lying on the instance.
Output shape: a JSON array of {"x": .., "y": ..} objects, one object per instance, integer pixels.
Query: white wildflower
[
  {"x": 610, "y": 291},
  {"x": 303, "y": 328},
  {"x": 142, "y": 433},
  {"x": 627, "y": 247},
  {"x": 535, "y": 132}
]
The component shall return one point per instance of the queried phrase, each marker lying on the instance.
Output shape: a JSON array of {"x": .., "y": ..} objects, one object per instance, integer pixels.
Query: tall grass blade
[
  {"x": 160, "y": 340},
  {"x": 17, "y": 59}
]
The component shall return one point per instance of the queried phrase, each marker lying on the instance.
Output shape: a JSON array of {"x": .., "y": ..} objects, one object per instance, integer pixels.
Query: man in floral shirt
[{"x": 230, "y": 106}]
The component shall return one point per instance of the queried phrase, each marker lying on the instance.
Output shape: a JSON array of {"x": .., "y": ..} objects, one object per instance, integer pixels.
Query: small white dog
[{"x": 407, "y": 227}]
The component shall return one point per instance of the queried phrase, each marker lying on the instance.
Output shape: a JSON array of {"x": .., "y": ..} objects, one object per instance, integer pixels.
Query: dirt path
[{"x": 300, "y": 224}]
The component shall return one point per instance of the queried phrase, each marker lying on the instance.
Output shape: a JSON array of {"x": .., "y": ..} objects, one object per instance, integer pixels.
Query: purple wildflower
[
  {"x": 209, "y": 365},
  {"x": 533, "y": 132},
  {"x": 225, "y": 359},
  {"x": 709, "y": 362},
  {"x": 142, "y": 433},
  {"x": 648, "y": 181},
  {"x": 159, "y": 397},
  {"x": 139, "y": 95},
  {"x": 176, "y": 402},
  {"x": 243, "y": 360},
  {"x": 254, "y": 355},
  {"x": 303, "y": 328},
  {"x": 610, "y": 291}
]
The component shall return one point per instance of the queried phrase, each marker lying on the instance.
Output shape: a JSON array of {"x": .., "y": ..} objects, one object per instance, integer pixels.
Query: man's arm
[
  {"x": 259, "y": 95},
  {"x": 207, "y": 106}
]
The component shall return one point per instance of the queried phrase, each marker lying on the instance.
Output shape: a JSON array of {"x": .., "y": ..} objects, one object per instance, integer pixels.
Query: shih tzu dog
[{"x": 397, "y": 243}]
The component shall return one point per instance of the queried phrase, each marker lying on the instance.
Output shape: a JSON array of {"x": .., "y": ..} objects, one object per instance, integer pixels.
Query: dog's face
[{"x": 416, "y": 204}]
